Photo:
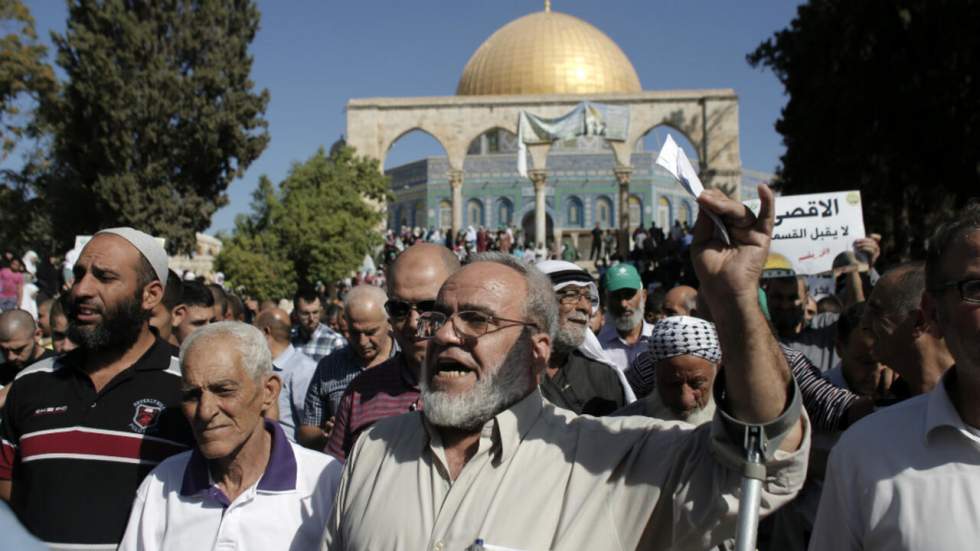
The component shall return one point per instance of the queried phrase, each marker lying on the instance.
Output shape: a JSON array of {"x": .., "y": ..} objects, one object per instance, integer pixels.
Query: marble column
[
  {"x": 456, "y": 183},
  {"x": 539, "y": 177},
  {"x": 623, "y": 175}
]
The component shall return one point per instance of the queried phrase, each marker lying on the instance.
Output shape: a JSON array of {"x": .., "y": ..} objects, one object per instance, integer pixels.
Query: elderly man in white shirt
[
  {"x": 245, "y": 486},
  {"x": 908, "y": 477},
  {"x": 489, "y": 460}
]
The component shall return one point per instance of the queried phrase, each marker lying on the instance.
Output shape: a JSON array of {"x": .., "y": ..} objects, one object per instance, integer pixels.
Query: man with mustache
[
  {"x": 573, "y": 380},
  {"x": 392, "y": 388},
  {"x": 369, "y": 345},
  {"x": 82, "y": 430},
  {"x": 626, "y": 336},
  {"x": 489, "y": 464}
]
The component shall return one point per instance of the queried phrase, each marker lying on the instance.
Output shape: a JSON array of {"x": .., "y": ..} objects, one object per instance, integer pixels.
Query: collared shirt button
[{"x": 439, "y": 546}]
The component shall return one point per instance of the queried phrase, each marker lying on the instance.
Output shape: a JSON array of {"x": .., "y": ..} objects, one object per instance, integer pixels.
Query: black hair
[
  {"x": 172, "y": 290},
  {"x": 194, "y": 293},
  {"x": 307, "y": 293},
  {"x": 220, "y": 297},
  {"x": 850, "y": 320},
  {"x": 965, "y": 221}
]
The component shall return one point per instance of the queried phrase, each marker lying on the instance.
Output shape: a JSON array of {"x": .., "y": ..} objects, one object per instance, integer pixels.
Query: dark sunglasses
[{"x": 400, "y": 309}]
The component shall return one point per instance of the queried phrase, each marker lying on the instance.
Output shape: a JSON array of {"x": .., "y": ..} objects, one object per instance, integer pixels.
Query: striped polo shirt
[
  {"x": 384, "y": 391},
  {"x": 76, "y": 456}
]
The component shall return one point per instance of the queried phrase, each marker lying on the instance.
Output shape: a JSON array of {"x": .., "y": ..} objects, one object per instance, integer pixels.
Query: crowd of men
[{"x": 500, "y": 404}]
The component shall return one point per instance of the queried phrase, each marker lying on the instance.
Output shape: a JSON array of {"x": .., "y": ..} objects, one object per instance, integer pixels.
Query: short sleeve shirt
[{"x": 76, "y": 456}]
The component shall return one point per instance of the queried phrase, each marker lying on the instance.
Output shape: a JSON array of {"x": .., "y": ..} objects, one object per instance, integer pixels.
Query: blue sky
[{"x": 313, "y": 56}]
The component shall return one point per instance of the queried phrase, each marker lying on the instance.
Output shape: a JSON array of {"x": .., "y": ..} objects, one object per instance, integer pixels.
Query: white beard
[
  {"x": 658, "y": 410},
  {"x": 491, "y": 395}
]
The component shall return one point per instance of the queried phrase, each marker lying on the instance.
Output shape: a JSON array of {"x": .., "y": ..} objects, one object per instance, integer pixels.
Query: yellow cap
[{"x": 777, "y": 266}]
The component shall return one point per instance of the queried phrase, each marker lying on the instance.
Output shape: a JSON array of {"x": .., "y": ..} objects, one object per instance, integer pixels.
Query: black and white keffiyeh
[{"x": 684, "y": 335}]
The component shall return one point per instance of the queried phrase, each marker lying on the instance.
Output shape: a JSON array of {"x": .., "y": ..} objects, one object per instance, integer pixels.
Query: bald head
[
  {"x": 275, "y": 323},
  {"x": 365, "y": 302},
  {"x": 900, "y": 290},
  {"x": 681, "y": 301},
  {"x": 19, "y": 339},
  {"x": 16, "y": 324},
  {"x": 425, "y": 260}
]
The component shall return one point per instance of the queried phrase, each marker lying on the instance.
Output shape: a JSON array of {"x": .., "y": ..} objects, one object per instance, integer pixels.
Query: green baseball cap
[{"x": 623, "y": 276}]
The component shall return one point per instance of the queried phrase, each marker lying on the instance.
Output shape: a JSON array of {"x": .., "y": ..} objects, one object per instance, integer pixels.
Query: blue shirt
[{"x": 296, "y": 370}]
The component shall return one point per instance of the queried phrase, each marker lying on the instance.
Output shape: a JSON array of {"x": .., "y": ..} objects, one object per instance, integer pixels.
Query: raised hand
[{"x": 732, "y": 271}]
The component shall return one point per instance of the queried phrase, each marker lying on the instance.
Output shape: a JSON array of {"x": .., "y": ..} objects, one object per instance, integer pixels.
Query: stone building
[{"x": 545, "y": 64}]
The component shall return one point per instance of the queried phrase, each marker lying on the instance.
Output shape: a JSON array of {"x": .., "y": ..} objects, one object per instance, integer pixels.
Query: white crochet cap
[
  {"x": 148, "y": 246},
  {"x": 684, "y": 335}
]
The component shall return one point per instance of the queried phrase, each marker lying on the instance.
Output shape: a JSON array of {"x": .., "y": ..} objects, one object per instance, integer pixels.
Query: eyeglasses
[
  {"x": 969, "y": 289},
  {"x": 400, "y": 309},
  {"x": 467, "y": 325},
  {"x": 572, "y": 296}
]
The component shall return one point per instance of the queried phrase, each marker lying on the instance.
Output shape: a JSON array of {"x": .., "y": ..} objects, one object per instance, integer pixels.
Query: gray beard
[
  {"x": 568, "y": 338},
  {"x": 491, "y": 395},
  {"x": 625, "y": 324}
]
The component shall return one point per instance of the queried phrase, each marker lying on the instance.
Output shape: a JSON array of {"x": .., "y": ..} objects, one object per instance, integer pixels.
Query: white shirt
[
  {"x": 179, "y": 508},
  {"x": 907, "y": 477},
  {"x": 617, "y": 350},
  {"x": 296, "y": 370}
]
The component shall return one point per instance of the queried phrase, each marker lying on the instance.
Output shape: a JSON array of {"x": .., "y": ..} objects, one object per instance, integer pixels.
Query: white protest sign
[
  {"x": 810, "y": 230},
  {"x": 673, "y": 159}
]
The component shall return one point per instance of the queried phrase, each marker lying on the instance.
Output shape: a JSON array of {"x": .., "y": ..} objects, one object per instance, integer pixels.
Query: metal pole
[{"x": 748, "y": 504}]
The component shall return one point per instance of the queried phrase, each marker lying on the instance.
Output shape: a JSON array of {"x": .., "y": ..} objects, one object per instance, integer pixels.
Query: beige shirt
[{"x": 544, "y": 478}]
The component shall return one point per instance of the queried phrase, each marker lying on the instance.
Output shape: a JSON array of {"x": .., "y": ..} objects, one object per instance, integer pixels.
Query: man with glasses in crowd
[
  {"x": 573, "y": 380},
  {"x": 920, "y": 488},
  {"x": 488, "y": 464},
  {"x": 392, "y": 387}
]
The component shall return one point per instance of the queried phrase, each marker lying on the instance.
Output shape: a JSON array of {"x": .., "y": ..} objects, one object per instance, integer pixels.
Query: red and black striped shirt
[
  {"x": 386, "y": 390},
  {"x": 76, "y": 456}
]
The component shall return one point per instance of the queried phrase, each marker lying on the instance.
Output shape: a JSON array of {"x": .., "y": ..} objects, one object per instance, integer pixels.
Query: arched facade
[{"x": 709, "y": 118}]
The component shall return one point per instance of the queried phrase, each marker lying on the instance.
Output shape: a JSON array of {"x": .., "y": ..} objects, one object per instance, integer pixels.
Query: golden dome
[{"x": 548, "y": 53}]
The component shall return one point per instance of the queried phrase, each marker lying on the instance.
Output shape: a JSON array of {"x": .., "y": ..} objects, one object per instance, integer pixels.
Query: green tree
[
  {"x": 883, "y": 97},
  {"x": 26, "y": 79},
  {"x": 27, "y": 82},
  {"x": 157, "y": 117},
  {"x": 317, "y": 227}
]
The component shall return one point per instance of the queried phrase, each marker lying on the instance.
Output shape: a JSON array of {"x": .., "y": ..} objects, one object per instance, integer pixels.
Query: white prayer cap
[
  {"x": 148, "y": 246},
  {"x": 684, "y": 336}
]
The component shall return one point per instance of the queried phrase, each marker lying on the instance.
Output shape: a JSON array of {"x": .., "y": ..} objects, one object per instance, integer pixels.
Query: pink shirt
[{"x": 10, "y": 283}]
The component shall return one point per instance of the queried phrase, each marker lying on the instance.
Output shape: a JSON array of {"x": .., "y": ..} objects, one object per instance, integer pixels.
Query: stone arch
[
  {"x": 478, "y": 137},
  {"x": 674, "y": 129},
  {"x": 387, "y": 145}
]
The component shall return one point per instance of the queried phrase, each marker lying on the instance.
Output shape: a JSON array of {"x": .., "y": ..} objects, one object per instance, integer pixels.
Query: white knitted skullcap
[
  {"x": 683, "y": 336},
  {"x": 148, "y": 246}
]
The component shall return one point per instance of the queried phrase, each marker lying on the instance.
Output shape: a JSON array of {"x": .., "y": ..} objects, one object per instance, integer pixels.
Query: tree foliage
[
  {"x": 27, "y": 82},
  {"x": 317, "y": 227},
  {"x": 157, "y": 117},
  {"x": 883, "y": 97},
  {"x": 25, "y": 77}
]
